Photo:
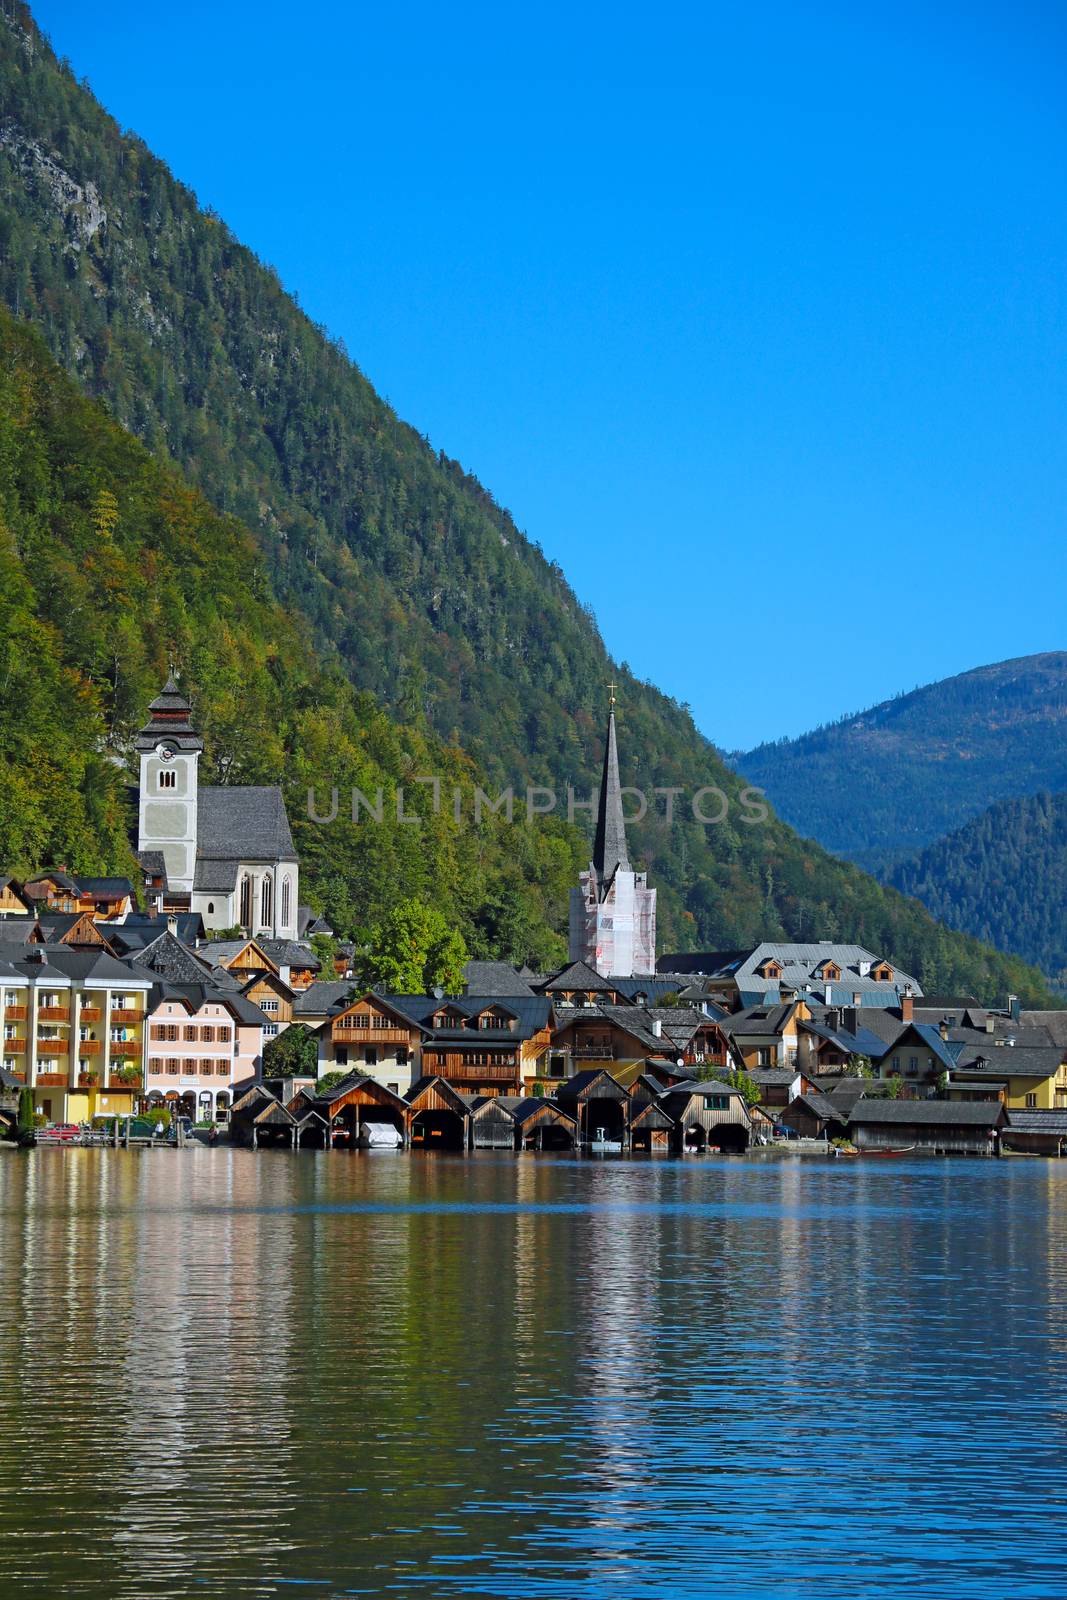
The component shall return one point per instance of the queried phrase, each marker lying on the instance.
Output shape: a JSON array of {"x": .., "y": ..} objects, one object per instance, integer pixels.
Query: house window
[
  {"x": 270, "y": 1029},
  {"x": 211, "y": 908},
  {"x": 268, "y": 1005},
  {"x": 168, "y": 779},
  {"x": 913, "y": 1065},
  {"x": 245, "y": 914},
  {"x": 287, "y": 892},
  {"x": 1031, "y": 1102},
  {"x": 266, "y": 901},
  {"x": 763, "y": 1057}
]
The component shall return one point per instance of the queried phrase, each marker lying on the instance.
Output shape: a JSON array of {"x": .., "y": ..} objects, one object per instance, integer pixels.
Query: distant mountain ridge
[
  {"x": 885, "y": 783},
  {"x": 1002, "y": 878}
]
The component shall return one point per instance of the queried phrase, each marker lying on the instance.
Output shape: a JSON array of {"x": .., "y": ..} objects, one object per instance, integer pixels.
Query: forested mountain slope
[
  {"x": 407, "y": 574},
  {"x": 890, "y": 780},
  {"x": 1003, "y": 878},
  {"x": 110, "y": 569}
]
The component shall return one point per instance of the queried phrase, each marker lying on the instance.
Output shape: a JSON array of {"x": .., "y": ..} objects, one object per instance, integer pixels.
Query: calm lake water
[{"x": 224, "y": 1373}]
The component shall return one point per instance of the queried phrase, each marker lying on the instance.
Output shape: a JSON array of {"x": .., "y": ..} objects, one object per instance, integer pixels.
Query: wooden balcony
[
  {"x": 458, "y": 1070},
  {"x": 53, "y": 1047},
  {"x": 87, "y": 1080},
  {"x": 91, "y": 1014},
  {"x": 14, "y": 1047},
  {"x": 53, "y": 1014},
  {"x": 15, "y": 1013},
  {"x": 88, "y": 1047},
  {"x": 128, "y": 1047},
  {"x": 124, "y": 1078},
  {"x": 127, "y": 1016},
  {"x": 18, "y": 1075},
  {"x": 52, "y": 1080},
  {"x": 344, "y": 1033}
]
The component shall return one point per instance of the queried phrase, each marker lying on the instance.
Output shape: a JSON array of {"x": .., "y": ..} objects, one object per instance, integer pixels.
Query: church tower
[
  {"x": 613, "y": 911},
  {"x": 170, "y": 751}
]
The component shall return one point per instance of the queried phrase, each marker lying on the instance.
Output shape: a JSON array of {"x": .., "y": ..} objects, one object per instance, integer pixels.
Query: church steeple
[
  {"x": 609, "y": 848},
  {"x": 613, "y": 911}
]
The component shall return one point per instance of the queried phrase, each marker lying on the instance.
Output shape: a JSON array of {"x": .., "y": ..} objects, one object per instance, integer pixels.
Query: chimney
[
  {"x": 1014, "y": 1008},
  {"x": 990, "y": 1023},
  {"x": 39, "y": 954},
  {"x": 944, "y": 1028},
  {"x": 172, "y": 927},
  {"x": 849, "y": 1020},
  {"x": 907, "y": 1005},
  {"x": 829, "y": 994},
  {"x": 657, "y": 1027}
]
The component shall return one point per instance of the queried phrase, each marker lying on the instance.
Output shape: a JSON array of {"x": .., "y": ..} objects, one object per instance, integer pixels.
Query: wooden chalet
[
  {"x": 440, "y": 1115},
  {"x": 598, "y": 1103},
  {"x": 708, "y": 1114},
  {"x": 14, "y": 901},
  {"x": 373, "y": 1035},
  {"x": 259, "y": 1118},
  {"x": 76, "y": 929},
  {"x": 492, "y": 1123},
  {"x": 651, "y": 1127},
  {"x": 542, "y": 1124},
  {"x": 357, "y": 1103},
  {"x": 814, "y": 1115},
  {"x": 580, "y": 985},
  {"x": 273, "y": 997}
]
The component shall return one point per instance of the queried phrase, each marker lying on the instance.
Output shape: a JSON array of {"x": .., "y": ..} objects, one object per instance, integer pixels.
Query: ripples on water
[{"x": 224, "y": 1373}]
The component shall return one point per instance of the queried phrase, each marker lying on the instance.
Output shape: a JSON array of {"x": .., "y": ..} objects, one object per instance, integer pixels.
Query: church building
[
  {"x": 613, "y": 912},
  {"x": 225, "y": 851}
]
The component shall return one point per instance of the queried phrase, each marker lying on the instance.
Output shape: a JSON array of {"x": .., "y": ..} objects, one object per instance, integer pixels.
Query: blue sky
[{"x": 754, "y": 317}]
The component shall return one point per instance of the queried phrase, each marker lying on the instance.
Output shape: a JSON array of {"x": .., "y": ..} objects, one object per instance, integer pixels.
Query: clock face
[{"x": 166, "y": 753}]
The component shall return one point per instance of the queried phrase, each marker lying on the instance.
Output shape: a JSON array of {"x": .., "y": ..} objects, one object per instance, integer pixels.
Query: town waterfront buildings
[{"x": 107, "y": 1009}]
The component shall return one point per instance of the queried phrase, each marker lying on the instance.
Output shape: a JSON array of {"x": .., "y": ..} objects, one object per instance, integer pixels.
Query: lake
[{"x": 228, "y": 1373}]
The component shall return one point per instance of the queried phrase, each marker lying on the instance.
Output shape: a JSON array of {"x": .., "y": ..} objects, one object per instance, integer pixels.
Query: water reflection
[{"x": 226, "y": 1373}]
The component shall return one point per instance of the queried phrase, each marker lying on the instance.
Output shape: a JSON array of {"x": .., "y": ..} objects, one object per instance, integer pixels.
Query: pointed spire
[{"x": 609, "y": 849}]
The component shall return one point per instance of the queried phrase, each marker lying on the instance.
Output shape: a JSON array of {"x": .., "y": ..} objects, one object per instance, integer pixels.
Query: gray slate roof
[
  {"x": 1055, "y": 1023},
  {"x": 1050, "y": 1122},
  {"x": 324, "y": 996},
  {"x": 1037, "y": 1062},
  {"x": 799, "y": 963},
  {"x": 494, "y": 978},
  {"x": 960, "y": 1113},
  {"x": 242, "y": 823}
]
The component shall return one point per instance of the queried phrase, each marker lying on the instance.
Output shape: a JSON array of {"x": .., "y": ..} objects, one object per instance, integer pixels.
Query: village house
[
  {"x": 375, "y": 1035},
  {"x": 770, "y": 973},
  {"x": 201, "y": 1042},
  {"x": 73, "y": 1025},
  {"x": 763, "y": 1036}
]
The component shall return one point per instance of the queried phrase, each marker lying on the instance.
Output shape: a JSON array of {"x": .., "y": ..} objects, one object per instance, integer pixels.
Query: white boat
[{"x": 601, "y": 1145}]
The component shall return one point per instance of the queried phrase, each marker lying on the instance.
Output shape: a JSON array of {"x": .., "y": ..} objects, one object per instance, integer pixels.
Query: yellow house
[
  {"x": 73, "y": 1024},
  {"x": 1027, "y": 1077}
]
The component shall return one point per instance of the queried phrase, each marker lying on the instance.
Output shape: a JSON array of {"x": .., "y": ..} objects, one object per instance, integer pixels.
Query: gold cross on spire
[{"x": 611, "y": 693}]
